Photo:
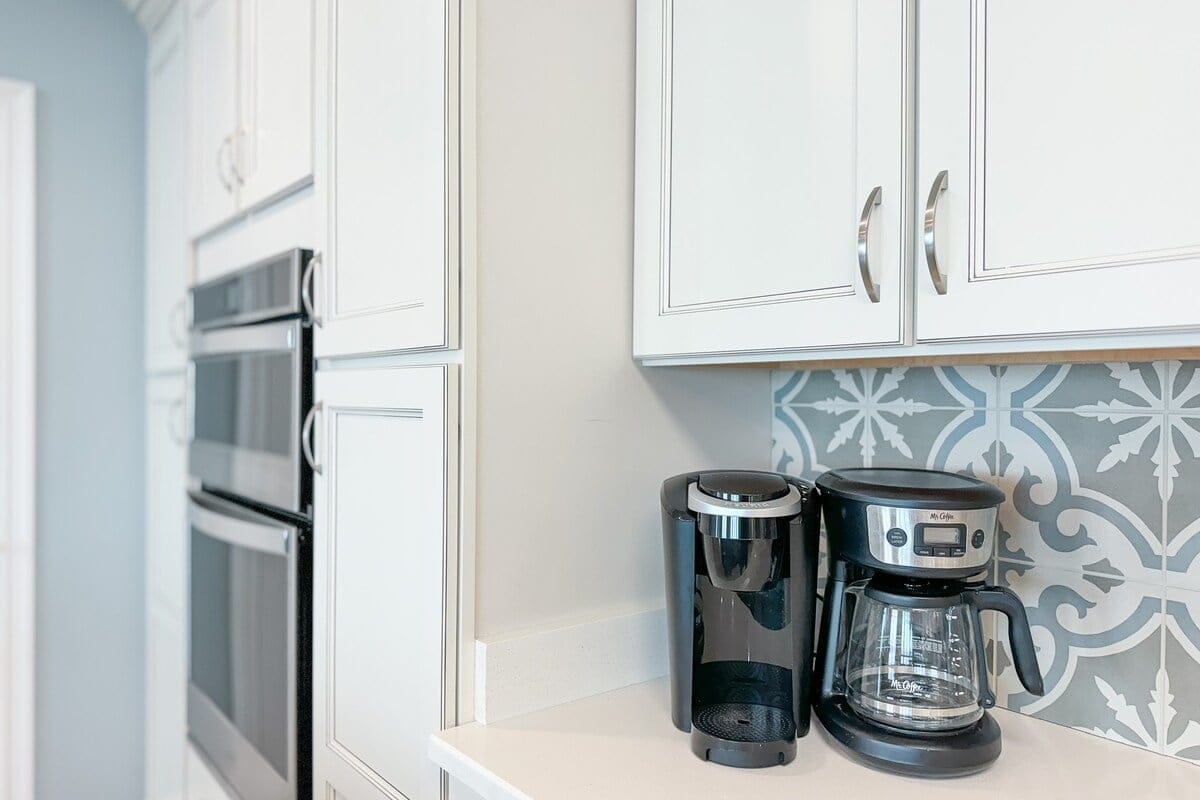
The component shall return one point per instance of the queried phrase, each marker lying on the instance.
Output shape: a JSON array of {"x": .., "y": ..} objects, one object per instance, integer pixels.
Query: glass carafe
[{"x": 914, "y": 657}]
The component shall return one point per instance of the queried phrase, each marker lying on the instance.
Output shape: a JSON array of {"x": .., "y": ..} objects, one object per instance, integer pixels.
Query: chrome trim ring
[{"x": 786, "y": 506}]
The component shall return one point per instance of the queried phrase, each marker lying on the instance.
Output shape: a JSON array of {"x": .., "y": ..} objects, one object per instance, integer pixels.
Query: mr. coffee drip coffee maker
[
  {"x": 903, "y": 675},
  {"x": 741, "y": 558}
]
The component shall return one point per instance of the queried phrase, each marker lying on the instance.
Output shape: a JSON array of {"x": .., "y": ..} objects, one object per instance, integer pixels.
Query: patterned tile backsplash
[{"x": 1100, "y": 535}]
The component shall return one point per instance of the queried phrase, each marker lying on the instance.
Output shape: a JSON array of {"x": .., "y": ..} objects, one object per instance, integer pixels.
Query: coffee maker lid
[
  {"x": 910, "y": 488},
  {"x": 742, "y": 493}
]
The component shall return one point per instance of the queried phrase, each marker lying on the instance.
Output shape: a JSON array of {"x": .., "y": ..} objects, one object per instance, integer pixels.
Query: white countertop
[{"x": 622, "y": 746}]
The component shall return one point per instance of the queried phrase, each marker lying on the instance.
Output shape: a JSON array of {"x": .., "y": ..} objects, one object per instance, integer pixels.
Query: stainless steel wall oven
[{"x": 249, "y": 508}]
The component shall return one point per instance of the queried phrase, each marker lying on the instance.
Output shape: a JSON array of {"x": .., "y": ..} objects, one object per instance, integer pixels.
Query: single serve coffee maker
[{"x": 740, "y": 551}]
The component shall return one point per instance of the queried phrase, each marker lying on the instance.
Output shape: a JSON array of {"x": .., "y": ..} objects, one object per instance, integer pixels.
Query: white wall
[
  {"x": 86, "y": 60},
  {"x": 574, "y": 439}
]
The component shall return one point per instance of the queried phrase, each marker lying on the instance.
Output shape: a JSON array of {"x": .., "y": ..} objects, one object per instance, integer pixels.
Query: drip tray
[{"x": 745, "y": 722}]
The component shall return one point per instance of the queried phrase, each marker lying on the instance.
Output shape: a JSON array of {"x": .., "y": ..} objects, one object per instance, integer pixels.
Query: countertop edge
[{"x": 471, "y": 773}]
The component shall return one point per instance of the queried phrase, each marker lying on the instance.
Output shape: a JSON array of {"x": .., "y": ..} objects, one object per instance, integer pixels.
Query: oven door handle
[
  {"x": 237, "y": 526},
  {"x": 279, "y": 337}
]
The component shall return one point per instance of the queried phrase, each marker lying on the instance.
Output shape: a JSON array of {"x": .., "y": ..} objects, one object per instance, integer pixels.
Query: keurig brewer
[{"x": 741, "y": 556}]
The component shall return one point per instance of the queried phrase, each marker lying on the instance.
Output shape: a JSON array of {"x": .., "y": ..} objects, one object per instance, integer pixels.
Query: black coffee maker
[
  {"x": 901, "y": 664},
  {"x": 741, "y": 555}
]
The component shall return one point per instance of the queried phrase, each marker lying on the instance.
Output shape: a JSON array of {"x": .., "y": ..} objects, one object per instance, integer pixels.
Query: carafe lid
[{"x": 910, "y": 488}]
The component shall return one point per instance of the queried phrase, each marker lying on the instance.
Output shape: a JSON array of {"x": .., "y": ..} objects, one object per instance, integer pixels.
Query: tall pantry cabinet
[{"x": 387, "y": 614}]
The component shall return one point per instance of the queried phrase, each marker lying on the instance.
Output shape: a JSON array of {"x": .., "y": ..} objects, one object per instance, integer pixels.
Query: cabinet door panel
[
  {"x": 212, "y": 124},
  {"x": 166, "y": 705},
  {"x": 1071, "y": 159},
  {"x": 762, "y": 130},
  {"x": 388, "y": 158},
  {"x": 166, "y": 509},
  {"x": 384, "y": 578},
  {"x": 166, "y": 195},
  {"x": 276, "y": 93}
]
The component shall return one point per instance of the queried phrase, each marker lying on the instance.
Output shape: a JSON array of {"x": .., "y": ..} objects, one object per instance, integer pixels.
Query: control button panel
[{"x": 930, "y": 538}]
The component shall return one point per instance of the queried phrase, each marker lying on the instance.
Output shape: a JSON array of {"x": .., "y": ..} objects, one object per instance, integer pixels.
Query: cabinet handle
[
  {"x": 306, "y": 437},
  {"x": 235, "y": 161},
  {"x": 177, "y": 323},
  {"x": 226, "y": 146},
  {"x": 935, "y": 192},
  {"x": 864, "y": 239},
  {"x": 176, "y": 429},
  {"x": 306, "y": 286}
]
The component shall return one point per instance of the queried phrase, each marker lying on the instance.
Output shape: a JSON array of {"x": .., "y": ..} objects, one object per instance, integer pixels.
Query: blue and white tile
[
  {"x": 897, "y": 388},
  {"x": 1180, "y": 680},
  {"x": 1071, "y": 502},
  {"x": 809, "y": 440},
  {"x": 1120, "y": 387},
  {"x": 1183, "y": 464},
  {"x": 1099, "y": 646}
]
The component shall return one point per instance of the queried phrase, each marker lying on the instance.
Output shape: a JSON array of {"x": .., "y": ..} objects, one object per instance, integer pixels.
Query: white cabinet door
[
  {"x": 212, "y": 123},
  {"x": 166, "y": 488},
  {"x": 388, "y": 164},
  {"x": 1068, "y": 133},
  {"x": 762, "y": 131},
  {"x": 166, "y": 195},
  {"x": 166, "y": 580},
  {"x": 166, "y": 705},
  {"x": 275, "y": 135},
  {"x": 384, "y": 577}
]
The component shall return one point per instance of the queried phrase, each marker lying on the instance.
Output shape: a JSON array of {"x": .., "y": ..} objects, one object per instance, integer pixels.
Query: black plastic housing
[{"x": 775, "y": 697}]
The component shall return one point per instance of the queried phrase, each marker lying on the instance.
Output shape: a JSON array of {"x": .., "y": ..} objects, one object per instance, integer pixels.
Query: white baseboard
[{"x": 531, "y": 670}]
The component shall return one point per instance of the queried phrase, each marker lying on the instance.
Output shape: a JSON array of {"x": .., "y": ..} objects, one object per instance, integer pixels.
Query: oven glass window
[
  {"x": 239, "y": 650},
  {"x": 245, "y": 401}
]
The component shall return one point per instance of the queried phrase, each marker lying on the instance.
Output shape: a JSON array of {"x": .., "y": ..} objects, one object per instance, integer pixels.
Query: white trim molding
[
  {"x": 17, "y": 376},
  {"x": 535, "y": 669}
]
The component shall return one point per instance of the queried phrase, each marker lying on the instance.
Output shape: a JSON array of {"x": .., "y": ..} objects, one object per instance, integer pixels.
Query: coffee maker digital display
[{"x": 740, "y": 553}]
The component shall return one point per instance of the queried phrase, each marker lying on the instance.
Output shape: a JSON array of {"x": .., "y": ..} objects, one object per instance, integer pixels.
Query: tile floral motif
[
  {"x": 1181, "y": 676},
  {"x": 1063, "y": 509},
  {"x": 1183, "y": 507},
  {"x": 1098, "y": 642}
]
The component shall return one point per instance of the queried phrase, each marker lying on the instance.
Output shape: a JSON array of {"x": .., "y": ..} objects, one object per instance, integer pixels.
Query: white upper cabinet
[
  {"x": 275, "y": 135},
  {"x": 384, "y": 579},
  {"x": 251, "y": 104},
  {"x": 1068, "y": 134},
  {"x": 388, "y": 169},
  {"x": 212, "y": 123},
  {"x": 166, "y": 195},
  {"x": 772, "y": 184}
]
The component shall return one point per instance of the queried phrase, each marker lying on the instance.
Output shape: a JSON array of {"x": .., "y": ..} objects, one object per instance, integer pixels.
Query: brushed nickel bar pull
[
  {"x": 864, "y": 239},
  {"x": 935, "y": 192},
  {"x": 306, "y": 437},
  {"x": 306, "y": 287}
]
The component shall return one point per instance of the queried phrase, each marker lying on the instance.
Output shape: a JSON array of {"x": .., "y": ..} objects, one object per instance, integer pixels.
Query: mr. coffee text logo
[
  {"x": 907, "y": 686},
  {"x": 941, "y": 516}
]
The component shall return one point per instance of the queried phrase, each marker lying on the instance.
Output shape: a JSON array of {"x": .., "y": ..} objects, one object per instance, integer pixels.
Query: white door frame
[{"x": 17, "y": 376}]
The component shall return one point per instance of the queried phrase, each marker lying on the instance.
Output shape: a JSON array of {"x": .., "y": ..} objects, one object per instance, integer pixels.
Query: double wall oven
[{"x": 250, "y": 513}]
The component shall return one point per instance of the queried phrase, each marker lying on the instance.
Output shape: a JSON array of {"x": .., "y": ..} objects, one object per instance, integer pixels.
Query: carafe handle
[
  {"x": 1020, "y": 640},
  {"x": 986, "y": 698}
]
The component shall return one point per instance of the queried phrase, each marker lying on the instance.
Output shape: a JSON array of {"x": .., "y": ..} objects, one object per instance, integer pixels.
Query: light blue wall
[{"x": 86, "y": 58}]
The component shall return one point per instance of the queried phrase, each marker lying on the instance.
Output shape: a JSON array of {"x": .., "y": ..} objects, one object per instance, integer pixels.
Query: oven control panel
[{"x": 931, "y": 539}]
